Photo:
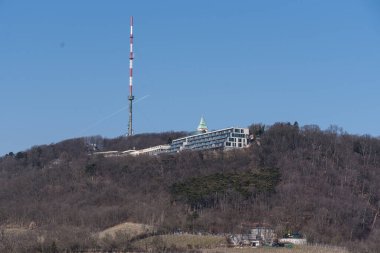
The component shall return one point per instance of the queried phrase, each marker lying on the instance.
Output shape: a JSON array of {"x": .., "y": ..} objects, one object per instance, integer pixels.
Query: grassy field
[
  {"x": 216, "y": 244},
  {"x": 295, "y": 249},
  {"x": 186, "y": 241}
]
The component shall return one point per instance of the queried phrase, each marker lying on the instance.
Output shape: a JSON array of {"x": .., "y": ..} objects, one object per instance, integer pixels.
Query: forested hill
[{"x": 325, "y": 184}]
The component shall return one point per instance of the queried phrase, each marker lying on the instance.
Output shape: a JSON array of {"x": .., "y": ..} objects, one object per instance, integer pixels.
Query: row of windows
[
  {"x": 236, "y": 139},
  {"x": 216, "y": 133},
  {"x": 239, "y": 135},
  {"x": 209, "y": 135},
  {"x": 198, "y": 144},
  {"x": 211, "y": 140},
  {"x": 194, "y": 141},
  {"x": 200, "y": 138},
  {"x": 208, "y": 146},
  {"x": 219, "y": 137},
  {"x": 233, "y": 144}
]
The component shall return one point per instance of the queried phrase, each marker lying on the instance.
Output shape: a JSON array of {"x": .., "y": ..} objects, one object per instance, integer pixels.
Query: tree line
[{"x": 323, "y": 183}]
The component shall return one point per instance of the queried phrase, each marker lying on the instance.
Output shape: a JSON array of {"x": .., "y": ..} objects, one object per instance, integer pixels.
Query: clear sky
[{"x": 64, "y": 66}]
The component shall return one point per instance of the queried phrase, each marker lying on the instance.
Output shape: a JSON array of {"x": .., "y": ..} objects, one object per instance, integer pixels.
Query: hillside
[{"x": 322, "y": 183}]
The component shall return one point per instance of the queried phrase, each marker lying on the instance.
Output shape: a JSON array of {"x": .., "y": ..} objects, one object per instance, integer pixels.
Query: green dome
[{"x": 202, "y": 126}]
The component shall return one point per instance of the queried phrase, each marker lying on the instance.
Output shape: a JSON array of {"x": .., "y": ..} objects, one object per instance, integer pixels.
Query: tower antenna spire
[{"x": 130, "y": 97}]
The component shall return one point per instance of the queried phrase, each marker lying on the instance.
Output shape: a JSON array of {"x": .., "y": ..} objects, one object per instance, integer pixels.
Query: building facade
[
  {"x": 227, "y": 138},
  {"x": 156, "y": 150}
]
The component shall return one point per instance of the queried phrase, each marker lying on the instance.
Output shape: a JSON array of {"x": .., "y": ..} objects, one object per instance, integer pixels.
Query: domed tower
[{"x": 202, "y": 128}]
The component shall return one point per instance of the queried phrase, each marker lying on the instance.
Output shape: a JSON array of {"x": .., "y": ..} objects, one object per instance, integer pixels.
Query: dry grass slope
[
  {"x": 183, "y": 241},
  {"x": 128, "y": 228},
  {"x": 14, "y": 230}
]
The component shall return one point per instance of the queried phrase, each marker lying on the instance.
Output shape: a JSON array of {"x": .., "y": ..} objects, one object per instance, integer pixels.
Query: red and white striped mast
[{"x": 131, "y": 97}]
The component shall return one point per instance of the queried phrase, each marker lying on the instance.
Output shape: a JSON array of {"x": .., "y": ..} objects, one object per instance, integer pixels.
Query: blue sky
[{"x": 64, "y": 66}]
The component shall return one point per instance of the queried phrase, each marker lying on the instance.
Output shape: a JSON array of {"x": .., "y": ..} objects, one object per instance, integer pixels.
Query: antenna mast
[{"x": 131, "y": 97}]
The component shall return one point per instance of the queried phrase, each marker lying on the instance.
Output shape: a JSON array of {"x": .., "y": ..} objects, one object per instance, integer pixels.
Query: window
[{"x": 228, "y": 144}]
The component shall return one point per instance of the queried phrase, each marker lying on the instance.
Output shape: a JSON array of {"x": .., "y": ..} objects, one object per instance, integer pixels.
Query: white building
[
  {"x": 153, "y": 150},
  {"x": 227, "y": 138}
]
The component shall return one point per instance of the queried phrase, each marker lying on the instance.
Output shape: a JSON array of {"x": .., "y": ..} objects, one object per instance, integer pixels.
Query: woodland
[{"x": 324, "y": 184}]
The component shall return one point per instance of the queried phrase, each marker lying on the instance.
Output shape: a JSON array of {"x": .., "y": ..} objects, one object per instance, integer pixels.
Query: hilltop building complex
[
  {"x": 202, "y": 139},
  {"x": 227, "y": 138}
]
